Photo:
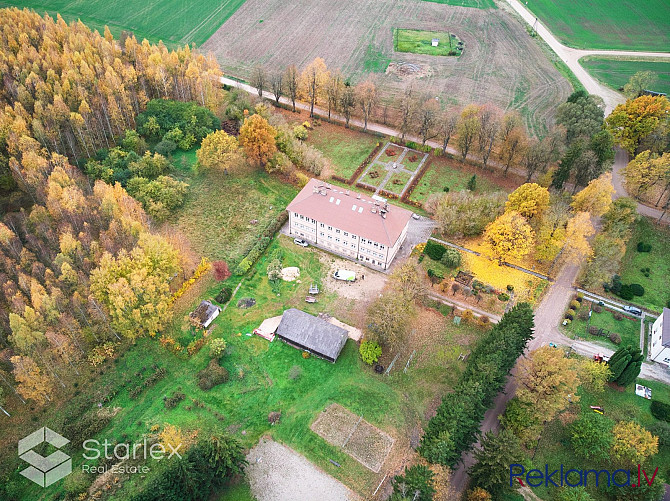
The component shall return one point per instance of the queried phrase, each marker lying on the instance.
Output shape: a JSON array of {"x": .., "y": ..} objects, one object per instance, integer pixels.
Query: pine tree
[{"x": 493, "y": 460}]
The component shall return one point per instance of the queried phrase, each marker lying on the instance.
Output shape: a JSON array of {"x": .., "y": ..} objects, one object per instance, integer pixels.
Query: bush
[
  {"x": 213, "y": 375},
  {"x": 224, "y": 296},
  {"x": 417, "y": 480},
  {"x": 294, "y": 372},
  {"x": 510, "y": 288},
  {"x": 626, "y": 293},
  {"x": 173, "y": 401},
  {"x": 370, "y": 352},
  {"x": 434, "y": 250},
  {"x": 503, "y": 297},
  {"x": 574, "y": 304},
  {"x": 597, "y": 308},
  {"x": 571, "y": 313},
  {"x": 615, "y": 338},
  {"x": 660, "y": 410},
  {"x": 221, "y": 270},
  {"x": 451, "y": 258},
  {"x": 217, "y": 347},
  {"x": 637, "y": 290},
  {"x": 661, "y": 430},
  {"x": 643, "y": 247},
  {"x": 165, "y": 147}
]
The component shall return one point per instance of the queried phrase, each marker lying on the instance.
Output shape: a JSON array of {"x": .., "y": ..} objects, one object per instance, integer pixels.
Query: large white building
[
  {"x": 660, "y": 338},
  {"x": 347, "y": 223}
]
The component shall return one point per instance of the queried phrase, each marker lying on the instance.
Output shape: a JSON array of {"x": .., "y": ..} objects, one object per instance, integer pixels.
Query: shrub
[
  {"x": 417, "y": 480},
  {"x": 434, "y": 250},
  {"x": 370, "y": 352},
  {"x": 294, "y": 372},
  {"x": 615, "y": 338},
  {"x": 626, "y": 293},
  {"x": 173, "y": 401},
  {"x": 617, "y": 315},
  {"x": 503, "y": 297},
  {"x": 510, "y": 288},
  {"x": 300, "y": 132},
  {"x": 593, "y": 330},
  {"x": 662, "y": 431},
  {"x": 451, "y": 258},
  {"x": 221, "y": 271},
  {"x": 472, "y": 183},
  {"x": 165, "y": 147},
  {"x": 217, "y": 347},
  {"x": 643, "y": 247},
  {"x": 637, "y": 290},
  {"x": 224, "y": 295},
  {"x": 571, "y": 313},
  {"x": 305, "y": 355},
  {"x": 597, "y": 308},
  {"x": 660, "y": 410},
  {"x": 446, "y": 189},
  {"x": 213, "y": 375},
  {"x": 574, "y": 304},
  {"x": 468, "y": 315},
  {"x": 583, "y": 314}
]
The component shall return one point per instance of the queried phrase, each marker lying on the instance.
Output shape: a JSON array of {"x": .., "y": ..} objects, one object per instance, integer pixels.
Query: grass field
[
  {"x": 397, "y": 182},
  {"x": 603, "y": 24},
  {"x": 616, "y": 72},
  {"x": 628, "y": 329},
  {"x": 656, "y": 294},
  {"x": 173, "y": 21},
  {"x": 477, "y": 4},
  {"x": 420, "y": 42}
]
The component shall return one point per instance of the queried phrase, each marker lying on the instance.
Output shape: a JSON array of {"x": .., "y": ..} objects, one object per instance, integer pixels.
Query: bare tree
[
  {"x": 489, "y": 133},
  {"x": 407, "y": 107},
  {"x": 277, "y": 85},
  {"x": 536, "y": 157},
  {"x": 447, "y": 129},
  {"x": 468, "y": 129},
  {"x": 259, "y": 80},
  {"x": 367, "y": 97},
  {"x": 510, "y": 121},
  {"x": 427, "y": 118},
  {"x": 347, "y": 102},
  {"x": 513, "y": 145},
  {"x": 334, "y": 88},
  {"x": 485, "y": 118},
  {"x": 292, "y": 79}
]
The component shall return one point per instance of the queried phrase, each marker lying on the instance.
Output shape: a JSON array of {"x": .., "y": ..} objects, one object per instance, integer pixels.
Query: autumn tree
[
  {"x": 257, "y": 139},
  {"x": 635, "y": 119},
  {"x": 478, "y": 494},
  {"x": 638, "y": 83},
  {"x": 491, "y": 470},
  {"x": 220, "y": 151},
  {"x": 510, "y": 236},
  {"x": 467, "y": 130},
  {"x": 408, "y": 281},
  {"x": 512, "y": 146},
  {"x": 32, "y": 383},
  {"x": 530, "y": 200},
  {"x": 489, "y": 118},
  {"x": 427, "y": 118},
  {"x": 347, "y": 102},
  {"x": 535, "y": 158},
  {"x": 313, "y": 82},
  {"x": 259, "y": 79},
  {"x": 596, "y": 198},
  {"x": 647, "y": 171},
  {"x": 389, "y": 320},
  {"x": 632, "y": 444},
  {"x": 444, "y": 491},
  {"x": 577, "y": 233},
  {"x": 366, "y": 93},
  {"x": 292, "y": 83},
  {"x": 407, "y": 111},
  {"x": 447, "y": 128},
  {"x": 593, "y": 375},
  {"x": 334, "y": 89}
]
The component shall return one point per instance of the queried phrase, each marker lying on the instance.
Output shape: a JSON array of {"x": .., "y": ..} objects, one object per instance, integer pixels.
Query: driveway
[{"x": 418, "y": 232}]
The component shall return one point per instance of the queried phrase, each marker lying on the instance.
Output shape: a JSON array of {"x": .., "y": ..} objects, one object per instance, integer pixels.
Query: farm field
[
  {"x": 477, "y": 4},
  {"x": 173, "y": 21},
  {"x": 357, "y": 38},
  {"x": 656, "y": 295},
  {"x": 603, "y": 24},
  {"x": 616, "y": 72},
  {"x": 420, "y": 42}
]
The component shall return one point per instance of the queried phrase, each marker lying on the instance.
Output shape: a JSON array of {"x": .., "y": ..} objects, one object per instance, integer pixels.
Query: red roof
[{"x": 353, "y": 212}]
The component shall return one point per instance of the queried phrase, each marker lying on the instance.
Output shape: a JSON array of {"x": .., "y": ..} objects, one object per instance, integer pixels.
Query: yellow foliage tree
[
  {"x": 479, "y": 494},
  {"x": 219, "y": 151},
  {"x": 593, "y": 375},
  {"x": 32, "y": 384},
  {"x": 529, "y": 200},
  {"x": 509, "y": 235},
  {"x": 173, "y": 439},
  {"x": 577, "y": 232},
  {"x": 635, "y": 119},
  {"x": 257, "y": 138},
  {"x": 596, "y": 198},
  {"x": 441, "y": 482},
  {"x": 646, "y": 171},
  {"x": 632, "y": 444},
  {"x": 313, "y": 82}
]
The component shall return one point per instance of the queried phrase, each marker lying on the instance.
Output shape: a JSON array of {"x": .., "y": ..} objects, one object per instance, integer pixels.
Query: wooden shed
[{"x": 308, "y": 333}]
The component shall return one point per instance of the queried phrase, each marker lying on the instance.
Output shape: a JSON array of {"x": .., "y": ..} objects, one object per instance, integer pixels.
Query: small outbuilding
[
  {"x": 314, "y": 335},
  {"x": 205, "y": 314},
  {"x": 435, "y": 42}
]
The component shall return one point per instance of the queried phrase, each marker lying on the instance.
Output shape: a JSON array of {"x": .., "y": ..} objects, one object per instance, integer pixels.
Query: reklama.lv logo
[{"x": 575, "y": 477}]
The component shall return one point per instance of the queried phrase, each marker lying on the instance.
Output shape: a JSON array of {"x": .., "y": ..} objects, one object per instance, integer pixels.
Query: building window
[
  {"x": 353, "y": 245},
  {"x": 353, "y": 237},
  {"x": 330, "y": 237},
  {"x": 321, "y": 234},
  {"x": 322, "y": 225},
  {"x": 337, "y": 240},
  {"x": 346, "y": 234},
  {"x": 337, "y": 231},
  {"x": 381, "y": 247}
]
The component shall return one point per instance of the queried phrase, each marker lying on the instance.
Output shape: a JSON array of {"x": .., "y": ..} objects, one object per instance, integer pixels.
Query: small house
[
  {"x": 435, "y": 42},
  {"x": 205, "y": 314},
  {"x": 312, "y": 334},
  {"x": 660, "y": 338}
]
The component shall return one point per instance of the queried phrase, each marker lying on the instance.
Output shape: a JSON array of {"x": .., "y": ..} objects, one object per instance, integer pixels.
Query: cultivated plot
[{"x": 616, "y": 72}]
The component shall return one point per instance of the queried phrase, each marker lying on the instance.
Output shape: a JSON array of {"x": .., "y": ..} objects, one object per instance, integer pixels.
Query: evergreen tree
[{"x": 497, "y": 453}]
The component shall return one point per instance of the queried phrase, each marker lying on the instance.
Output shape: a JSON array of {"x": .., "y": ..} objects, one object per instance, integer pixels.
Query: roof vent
[
  {"x": 331, "y": 199},
  {"x": 373, "y": 210},
  {"x": 323, "y": 192},
  {"x": 353, "y": 208},
  {"x": 358, "y": 196},
  {"x": 337, "y": 202},
  {"x": 360, "y": 210},
  {"x": 346, "y": 193}
]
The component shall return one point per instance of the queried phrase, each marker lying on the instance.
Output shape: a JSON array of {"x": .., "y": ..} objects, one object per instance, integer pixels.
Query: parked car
[
  {"x": 346, "y": 275},
  {"x": 415, "y": 216},
  {"x": 300, "y": 242},
  {"x": 633, "y": 310}
]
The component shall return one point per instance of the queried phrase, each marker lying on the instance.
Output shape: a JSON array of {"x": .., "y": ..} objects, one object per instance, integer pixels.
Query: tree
[
  {"x": 334, "y": 89},
  {"x": 632, "y": 444},
  {"x": 416, "y": 483},
  {"x": 625, "y": 365},
  {"x": 593, "y": 375},
  {"x": 591, "y": 437},
  {"x": 442, "y": 483},
  {"x": 639, "y": 82},
  {"x": 574, "y": 494},
  {"x": 512, "y": 147},
  {"x": 596, "y": 198},
  {"x": 427, "y": 119},
  {"x": 313, "y": 81},
  {"x": 468, "y": 129},
  {"x": 370, "y": 352},
  {"x": 530, "y": 200},
  {"x": 27, "y": 330},
  {"x": 634, "y": 120},
  {"x": 347, "y": 102},
  {"x": 586, "y": 168},
  {"x": 220, "y": 151},
  {"x": 259, "y": 80},
  {"x": 448, "y": 125},
  {"x": 407, "y": 281},
  {"x": 582, "y": 116},
  {"x": 407, "y": 111},
  {"x": 536, "y": 157},
  {"x": 491, "y": 470},
  {"x": 509, "y": 235},
  {"x": 577, "y": 233},
  {"x": 465, "y": 213},
  {"x": 389, "y": 318},
  {"x": 488, "y": 132},
  {"x": 257, "y": 138},
  {"x": 292, "y": 81},
  {"x": 366, "y": 93},
  {"x": 478, "y": 494},
  {"x": 31, "y": 383},
  {"x": 277, "y": 85},
  {"x": 645, "y": 171}
]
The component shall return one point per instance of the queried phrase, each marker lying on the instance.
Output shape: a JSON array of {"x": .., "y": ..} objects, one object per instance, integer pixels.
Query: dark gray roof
[
  {"x": 204, "y": 311},
  {"x": 665, "y": 336},
  {"x": 315, "y": 334}
]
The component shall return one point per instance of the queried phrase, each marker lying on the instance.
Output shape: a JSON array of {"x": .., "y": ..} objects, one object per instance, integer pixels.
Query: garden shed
[
  {"x": 306, "y": 332},
  {"x": 205, "y": 314}
]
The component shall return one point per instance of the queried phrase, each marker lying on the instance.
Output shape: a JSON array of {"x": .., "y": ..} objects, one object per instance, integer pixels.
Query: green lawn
[
  {"x": 445, "y": 172},
  {"x": 477, "y": 4},
  {"x": 346, "y": 149},
  {"x": 410, "y": 164},
  {"x": 657, "y": 293},
  {"x": 174, "y": 21},
  {"x": 554, "y": 446},
  {"x": 420, "y": 42},
  {"x": 374, "y": 176},
  {"x": 616, "y": 72},
  {"x": 603, "y": 24},
  {"x": 628, "y": 329},
  {"x": 397, "y": 182}
]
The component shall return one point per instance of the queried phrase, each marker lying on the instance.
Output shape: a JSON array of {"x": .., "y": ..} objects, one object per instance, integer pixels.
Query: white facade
[
  {"x": 346, "y": 244},
  {"x": 660, "y": 348}
]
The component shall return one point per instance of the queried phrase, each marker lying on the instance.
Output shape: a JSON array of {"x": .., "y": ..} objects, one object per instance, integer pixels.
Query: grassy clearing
[
  {"x": 598, "y": 24},
  {"x": 412, "y": 160},
  {"x": 173, "y": 21},
  {"x": 628, "y": 329},
  {"x": 477, "y": 4},
  {"x": 376, "y": 61},
  {"x": 420, "y": 42},
  {"x": 345, "y": 148},
  {"x": 656, "y": 294},
  {"x": 374, "y": 176},
  {"x": 554, "y": 446},
  {"x": 397, "y": 182},
  {"x": 616, "y": 72}
]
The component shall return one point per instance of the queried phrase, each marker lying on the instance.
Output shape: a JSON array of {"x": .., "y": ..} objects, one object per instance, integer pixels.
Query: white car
[
  {"x": 633, "y": 310},
  {"x": 416, "y": 216},
  {"x": 300, "y": 242}
]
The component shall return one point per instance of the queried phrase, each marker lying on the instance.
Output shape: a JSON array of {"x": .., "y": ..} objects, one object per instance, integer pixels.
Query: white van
[{"x": 346, "y": 275}]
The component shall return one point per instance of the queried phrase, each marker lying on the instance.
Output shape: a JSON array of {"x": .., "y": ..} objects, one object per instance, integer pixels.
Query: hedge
[
  {"x": 660, "y": 410},
  {"x": 262, "y": 244},
  {"x": 434, "y": 250}
]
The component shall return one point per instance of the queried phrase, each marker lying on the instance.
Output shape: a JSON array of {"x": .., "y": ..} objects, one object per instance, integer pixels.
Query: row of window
[{"x": 306, "y": 218}]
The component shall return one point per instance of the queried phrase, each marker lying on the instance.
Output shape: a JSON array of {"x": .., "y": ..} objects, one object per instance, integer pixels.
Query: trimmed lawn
[
  {"x": 374, "y": 176},
  {"x": 345, "y": 148},
  {"x": 397, "y": 182},
  {"x": 602, "y": 24},
  {"x": 616, "y": 72},
  {"x": 420, "y": 42},
  {"x": 173, "y": 21},
  {"x": 628, "y": 328},
  {"x": 657, "y": 293},
  {"x": 410, "y": 164},
  {"x": 477, "y": 4}
]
